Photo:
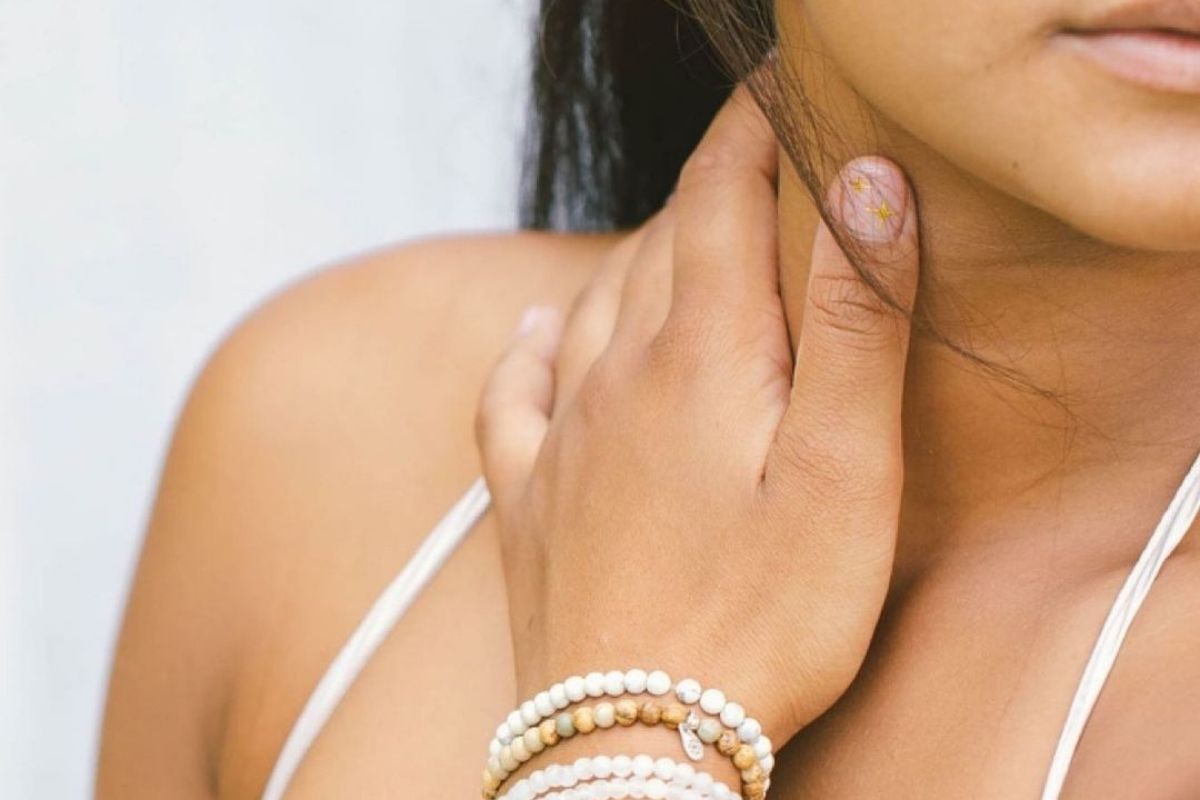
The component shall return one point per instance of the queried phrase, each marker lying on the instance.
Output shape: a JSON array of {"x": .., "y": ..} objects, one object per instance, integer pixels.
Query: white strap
[
  {"x": 1176, "y": 522},
  {"x": 444, "y": 539},
  {"x": 438, "y": 546}
]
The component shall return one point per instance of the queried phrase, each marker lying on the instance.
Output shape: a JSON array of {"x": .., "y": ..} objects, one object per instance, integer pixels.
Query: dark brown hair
[{"x": 622, "y": 92}]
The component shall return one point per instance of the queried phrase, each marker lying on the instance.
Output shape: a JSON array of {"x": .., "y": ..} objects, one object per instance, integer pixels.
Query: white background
[{"x": 163, "y": 166}]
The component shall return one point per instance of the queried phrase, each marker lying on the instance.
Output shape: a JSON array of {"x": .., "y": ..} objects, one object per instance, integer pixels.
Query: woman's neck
[{"x": 1090, "y": 410}]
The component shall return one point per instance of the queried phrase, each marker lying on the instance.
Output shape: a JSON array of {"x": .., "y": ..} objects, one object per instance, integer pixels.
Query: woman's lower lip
[{"x": 1166, "y": 61}]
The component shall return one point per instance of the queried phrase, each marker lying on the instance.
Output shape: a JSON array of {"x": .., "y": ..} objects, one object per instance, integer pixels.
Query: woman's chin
[{"x": 1140, "y": 217}]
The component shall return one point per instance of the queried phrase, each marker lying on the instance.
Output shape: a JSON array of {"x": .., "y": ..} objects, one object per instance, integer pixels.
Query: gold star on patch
[
  {"x": 860, "y": 184},
  {"x": 884, "y": 212}
]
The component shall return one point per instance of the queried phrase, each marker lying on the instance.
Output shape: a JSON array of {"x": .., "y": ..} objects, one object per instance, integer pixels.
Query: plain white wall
[{"x": 163, "y": 166}]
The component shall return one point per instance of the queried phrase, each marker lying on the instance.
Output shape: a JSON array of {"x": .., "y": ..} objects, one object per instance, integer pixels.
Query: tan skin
[{"x": 335, "y": 426}]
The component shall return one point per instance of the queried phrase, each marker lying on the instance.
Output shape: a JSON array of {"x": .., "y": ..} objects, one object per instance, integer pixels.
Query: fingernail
[
  {"x": 872, "y": 200},
  {"x": 529, "y": 320},
  {"x": 532, "y": 319}
]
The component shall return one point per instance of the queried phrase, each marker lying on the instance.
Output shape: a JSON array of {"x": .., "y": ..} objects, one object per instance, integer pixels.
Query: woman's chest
[
  {"x": 963, "y": 698},
  {"x": 955, "y": 700}
]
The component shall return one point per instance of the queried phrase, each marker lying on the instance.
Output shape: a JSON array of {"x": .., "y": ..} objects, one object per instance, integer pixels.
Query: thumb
[{"x": 842, "y": 424}]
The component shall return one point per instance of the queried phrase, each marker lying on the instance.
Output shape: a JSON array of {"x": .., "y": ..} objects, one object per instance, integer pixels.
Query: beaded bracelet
[
  {"x": 625, "y": 712},
  {"x": 616, "y": 683},
  {"x": 621, "y": 788},
  {"x": 680, "y": 775}
]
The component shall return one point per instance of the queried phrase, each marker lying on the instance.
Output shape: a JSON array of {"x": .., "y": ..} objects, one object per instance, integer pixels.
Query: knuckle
[
  {"x": 682, "y": 347},
  {"x": 852, "y": 310},
  {"x": 594, "y": 399},
  {"x": 597, "y": 300},
  {"x": 707, "y": 166},
  {"x": 587, "y": 333},
  {"x": 834, "y": 465},
  {"x": 814, "y": 463}
]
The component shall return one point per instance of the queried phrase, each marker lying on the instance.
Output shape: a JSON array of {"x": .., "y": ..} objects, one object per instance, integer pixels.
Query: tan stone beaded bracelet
[
  {"x": 657, "y": 683},
  {"x": 625, "y": 712}
]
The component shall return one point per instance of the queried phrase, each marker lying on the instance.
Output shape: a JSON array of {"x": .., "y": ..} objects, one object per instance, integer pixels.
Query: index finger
[{"x": 726, "y": 249}]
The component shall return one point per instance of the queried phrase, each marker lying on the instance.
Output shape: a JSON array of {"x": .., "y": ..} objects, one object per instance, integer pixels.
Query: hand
[{"x": 674, "y": 490}]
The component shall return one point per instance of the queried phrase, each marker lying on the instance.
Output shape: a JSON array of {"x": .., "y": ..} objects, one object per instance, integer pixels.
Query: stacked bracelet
[
  {"x": 641, "y": 775},
  {"x": 626, "y": 712},
  {"x": 529, "y": 729}
]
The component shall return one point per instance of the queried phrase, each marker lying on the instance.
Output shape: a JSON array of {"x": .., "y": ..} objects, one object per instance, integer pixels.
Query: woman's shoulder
[
  {"x": 450, "y": 297},
  {"x": 392, "y": 346},
  {"x": 323, "y": 438},
  {"x": 400, "y": 324}
]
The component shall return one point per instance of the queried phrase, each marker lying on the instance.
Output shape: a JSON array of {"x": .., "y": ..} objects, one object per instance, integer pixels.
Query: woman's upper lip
[{"x": 1181, "y": 16}]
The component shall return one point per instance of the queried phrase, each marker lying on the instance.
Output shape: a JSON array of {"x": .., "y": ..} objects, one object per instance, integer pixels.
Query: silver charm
[{"x": 687, "y": 736}]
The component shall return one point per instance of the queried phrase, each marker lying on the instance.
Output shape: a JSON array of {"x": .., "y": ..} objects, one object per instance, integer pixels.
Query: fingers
[
  {"x": 646, "y": 293},
  {"x": 842, "y": 424},
  {"x": 514, "y": 408},
  {"x": 589, "y": 326},
  {"x": 725, "y": 246}
]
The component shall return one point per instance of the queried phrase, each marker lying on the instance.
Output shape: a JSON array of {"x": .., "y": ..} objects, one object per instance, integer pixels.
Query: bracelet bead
[
  {"x": 744, "y": 756},
  {"x": 753, "y": 774},
  {"x": 749, "y": 730},
  {"x": 490, "y": 782},
  {"x": 732, "y": 715},
  {"x": 593, "y": 684},
  {"x": 651, "y": 712},
  {"x": 544, "y": 705},
  {"x": 583, "y": 719},
  {"x": 762, "y": 746},
  {"x": 673, "y": 715},
  {"x": 606, "y": 715},
  {"x": 712, "y": 701},
  {"x": 626, "y": 712},
  {"x": 549, "y": 732},
  {"x": 575, "y": 687},
  {"x": 658, "y": 683},
  {"x": 533, "y": 740},
  {"x": 710, "y": 730},
  {"x": 688, "y": 691},
  {"x": 727, "y": 743}
]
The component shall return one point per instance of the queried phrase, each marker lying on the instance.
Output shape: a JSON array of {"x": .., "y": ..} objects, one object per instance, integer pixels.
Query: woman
[{"x": 706, "y": 468}]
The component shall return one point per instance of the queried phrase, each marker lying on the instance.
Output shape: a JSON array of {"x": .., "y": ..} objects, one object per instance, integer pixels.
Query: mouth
[{"x": 1155, "y": 45}]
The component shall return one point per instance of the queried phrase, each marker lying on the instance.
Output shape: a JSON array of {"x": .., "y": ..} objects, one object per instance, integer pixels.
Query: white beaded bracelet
[
  {"x": 616, "y": 683},
  {"x": 641, "y": 775},
  {"x": 622, "y": 788}
]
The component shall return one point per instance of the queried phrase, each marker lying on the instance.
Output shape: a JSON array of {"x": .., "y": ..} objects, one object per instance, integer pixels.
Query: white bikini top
[{"x": 442, "y": 541}]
